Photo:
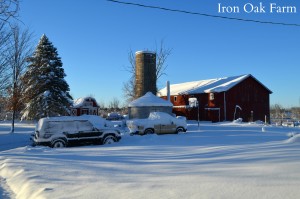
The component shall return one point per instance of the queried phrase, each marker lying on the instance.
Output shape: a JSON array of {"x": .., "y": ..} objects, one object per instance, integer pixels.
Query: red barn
[
  {"x": 221, "y": 99},
  {"x": 85, "y": 106}
]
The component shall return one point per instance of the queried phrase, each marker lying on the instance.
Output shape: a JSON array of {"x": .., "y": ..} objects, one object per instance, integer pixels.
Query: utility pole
[{"x": 14, "y": 99}]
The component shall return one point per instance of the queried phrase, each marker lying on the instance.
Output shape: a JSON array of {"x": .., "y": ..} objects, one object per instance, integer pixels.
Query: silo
[{"x": 145, "y": 70}]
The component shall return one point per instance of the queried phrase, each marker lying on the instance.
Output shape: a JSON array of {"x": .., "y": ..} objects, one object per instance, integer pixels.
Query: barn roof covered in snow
[
  {"x": 206, "y": 86},
  {"x": 149, "y": 100}
]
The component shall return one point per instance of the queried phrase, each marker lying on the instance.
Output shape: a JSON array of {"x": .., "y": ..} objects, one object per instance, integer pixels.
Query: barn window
[{"x": 175, "y": 98}]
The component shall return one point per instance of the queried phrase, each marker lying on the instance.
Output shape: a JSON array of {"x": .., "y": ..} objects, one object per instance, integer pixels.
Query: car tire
[
  {"x": 180, "y": 130},
  {"x": 109, "y": 139},
  {"x": 59, "y": 143},
  {"x": 148, "y": 131}
]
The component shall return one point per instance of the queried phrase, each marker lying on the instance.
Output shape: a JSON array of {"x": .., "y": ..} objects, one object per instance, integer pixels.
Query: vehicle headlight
[{"x": 37, "y": 133}]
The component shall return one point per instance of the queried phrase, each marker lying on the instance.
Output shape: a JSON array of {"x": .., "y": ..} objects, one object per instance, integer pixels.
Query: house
[
  {"x": 84, "y": 106},
  {"x": 221, "y": 99},
  {"x": 141, "y": 107}
]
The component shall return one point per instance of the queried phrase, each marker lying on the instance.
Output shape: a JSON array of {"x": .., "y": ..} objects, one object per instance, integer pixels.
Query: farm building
[
  {"x": 141, "y": 107},
  {"x": 84, "y": 106},
  {"x": 221, "y": 99}
]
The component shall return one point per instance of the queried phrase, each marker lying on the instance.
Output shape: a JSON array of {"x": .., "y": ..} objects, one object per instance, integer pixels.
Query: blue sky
[{"x": 94, "y": 37}]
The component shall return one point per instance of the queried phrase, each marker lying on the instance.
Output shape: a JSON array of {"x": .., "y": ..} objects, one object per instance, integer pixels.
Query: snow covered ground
[{"x": 222, "y": 160}]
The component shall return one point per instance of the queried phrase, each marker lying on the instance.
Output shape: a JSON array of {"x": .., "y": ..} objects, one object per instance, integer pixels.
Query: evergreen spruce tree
[{"x": 46, "y": 93}]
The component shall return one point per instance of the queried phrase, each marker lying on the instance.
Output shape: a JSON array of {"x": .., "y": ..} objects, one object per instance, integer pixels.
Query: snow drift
[{"x": 213, "y": 161}]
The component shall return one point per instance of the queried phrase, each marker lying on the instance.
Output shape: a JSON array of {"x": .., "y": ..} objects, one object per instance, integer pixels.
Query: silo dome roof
[
  {"x": 149, "y": 100},
  {"x": 145, "y": 52}
]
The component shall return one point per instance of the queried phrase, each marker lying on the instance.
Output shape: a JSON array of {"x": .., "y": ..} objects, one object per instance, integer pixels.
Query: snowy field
[{"x": 223, "y": 160}]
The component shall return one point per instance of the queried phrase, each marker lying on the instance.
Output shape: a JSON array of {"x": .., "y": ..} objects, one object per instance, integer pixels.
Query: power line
[{"x": 203, "y": 14}]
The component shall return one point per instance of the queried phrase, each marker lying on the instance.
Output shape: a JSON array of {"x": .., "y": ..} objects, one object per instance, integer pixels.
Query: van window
[
  {"x": 67, "y": 126},
  {"x": 59, "y": 126},
  {"x": 84, "y": 126}
]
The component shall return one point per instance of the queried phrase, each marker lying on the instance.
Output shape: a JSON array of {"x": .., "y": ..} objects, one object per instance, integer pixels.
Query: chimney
[{"x": 168, "y": 91}]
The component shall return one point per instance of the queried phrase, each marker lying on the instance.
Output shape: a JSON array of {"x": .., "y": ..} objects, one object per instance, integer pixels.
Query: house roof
[
  {"x": 206, "y": 86},
  {"x": 80, "y": 102},
  {"x": 149, "y": 100}
]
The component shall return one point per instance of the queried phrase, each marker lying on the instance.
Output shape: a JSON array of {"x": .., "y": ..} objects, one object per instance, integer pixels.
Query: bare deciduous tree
[
  {"x": 129, "y": 88},
  {"x": 277, "y": 112},
  {"x": 8, "y": 9},
  {"x": 295, "y": 113},
  {"x": 162, "y": 54},
  {"x": 19, "y": 50},
  {"x": 114, "y": 104}
]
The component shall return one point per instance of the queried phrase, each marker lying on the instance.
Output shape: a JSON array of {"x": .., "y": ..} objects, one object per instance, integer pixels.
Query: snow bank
[
  {"x": 294, "y": 138},
  {"x": 239, "y": 120},
  {"x": 212, "y": 161},
  {"x": 5, "y": 192},
  {"x": 19, "y": 183}
]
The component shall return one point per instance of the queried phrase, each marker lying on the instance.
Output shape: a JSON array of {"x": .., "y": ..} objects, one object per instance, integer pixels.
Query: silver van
[{"x": 157, "y": 122}]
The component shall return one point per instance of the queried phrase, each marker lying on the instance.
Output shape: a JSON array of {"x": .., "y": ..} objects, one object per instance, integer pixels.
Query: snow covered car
[
  {"x": 157, "y": 122},
  {"x": 68, "y": 130},
  {"x": 114, "y": 116}
]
